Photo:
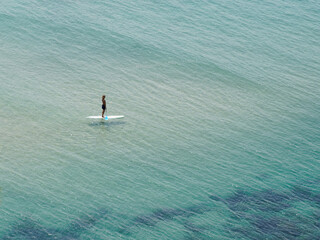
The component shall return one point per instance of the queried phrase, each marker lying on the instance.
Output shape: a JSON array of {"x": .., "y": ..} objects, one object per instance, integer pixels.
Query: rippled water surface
[{"x": 221, "y": 133}]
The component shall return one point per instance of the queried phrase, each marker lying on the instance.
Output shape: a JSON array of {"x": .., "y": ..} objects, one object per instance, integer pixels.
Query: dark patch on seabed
[
  {"x": 29, "y": 229},
  {"x": 257, "y": 214},
  {"x": 269, "y": 214},
  {"x": 264, "y": 214}
]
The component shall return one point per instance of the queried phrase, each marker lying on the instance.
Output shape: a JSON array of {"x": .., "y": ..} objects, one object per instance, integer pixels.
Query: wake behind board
[{"x": 106, "y": 117}]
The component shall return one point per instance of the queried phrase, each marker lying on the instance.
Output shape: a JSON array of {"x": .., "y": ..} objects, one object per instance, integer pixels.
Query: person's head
[{"x": 103, "y": 97}]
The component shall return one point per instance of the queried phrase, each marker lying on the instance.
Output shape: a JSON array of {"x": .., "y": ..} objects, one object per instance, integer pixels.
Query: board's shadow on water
[{"x": 106, "y": 123}]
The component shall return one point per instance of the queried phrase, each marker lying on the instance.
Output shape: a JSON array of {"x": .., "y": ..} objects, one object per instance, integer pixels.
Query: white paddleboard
[{"x": 106, "y": 117}]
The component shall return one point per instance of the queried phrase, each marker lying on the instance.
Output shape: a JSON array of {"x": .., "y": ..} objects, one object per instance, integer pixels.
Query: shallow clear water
[{"x": 220, "y": 138}]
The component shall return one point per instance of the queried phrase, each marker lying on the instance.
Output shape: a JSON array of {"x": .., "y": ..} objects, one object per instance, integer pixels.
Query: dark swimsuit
[{"x": 103, "y": 107}]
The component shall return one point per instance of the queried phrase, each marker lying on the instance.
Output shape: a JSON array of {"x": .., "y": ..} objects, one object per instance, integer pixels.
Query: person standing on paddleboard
[{"x": 104, "y": 105}]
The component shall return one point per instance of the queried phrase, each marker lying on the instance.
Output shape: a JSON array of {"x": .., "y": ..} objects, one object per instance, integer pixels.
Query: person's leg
[{"x": 103, "y": 112}]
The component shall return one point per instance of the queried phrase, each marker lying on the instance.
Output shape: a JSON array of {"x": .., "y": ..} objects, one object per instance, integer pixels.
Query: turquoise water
[{"x": 221, "y": 133}]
